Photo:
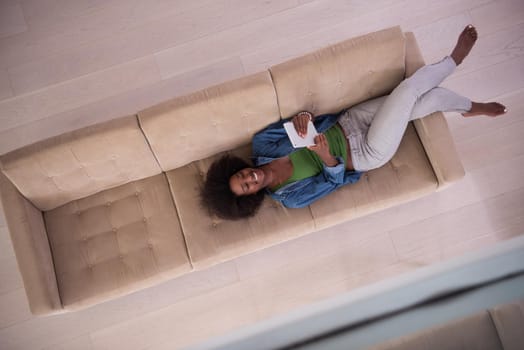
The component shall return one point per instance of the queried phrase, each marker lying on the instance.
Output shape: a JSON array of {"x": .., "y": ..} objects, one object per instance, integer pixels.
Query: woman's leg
[
  {"x": 440, "y": 100},
  {"x": 390, "y": 122},
  {"x": 360, "y": 116}
]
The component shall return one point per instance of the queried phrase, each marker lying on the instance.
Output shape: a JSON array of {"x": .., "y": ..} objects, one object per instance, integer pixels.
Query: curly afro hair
[{"x": 218, "y": 198}]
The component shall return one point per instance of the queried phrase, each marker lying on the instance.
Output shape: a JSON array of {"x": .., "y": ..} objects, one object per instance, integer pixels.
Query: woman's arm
[
  {"x": 273, "y": 140},
  {"x": 321, "y": 148},
  {"x": 300, "y": 122}
]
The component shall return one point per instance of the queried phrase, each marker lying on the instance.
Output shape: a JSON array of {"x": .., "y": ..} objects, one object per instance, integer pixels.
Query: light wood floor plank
[
  {"x": 490, "y": 49},
  {"x": 75, "y": 93},
  {"x": 318, "y": 245},
  {"x": 38, "y": 333},
  {"x": 10, "y": 278},
  {"x": 465, "y": 129},
  {"x": 501, "y": 217},
  {"x": 46, "y": 12},
  {"x": 14, "y": 308},
  {"x": 480, "y": 150},
  {"x": 184, "y": 322},
  {"x": 81, "y": 343},
  {"x": 133, "y": 43},
  {"x": 5, "y": 85},
  {"x": 260, "y": 33},
  {"x": 87, "y": 19},
  {"x": 442, "y": 34},
  {"x": 408, "y": 15},
  {"x": 314, "y": 279},
  {"x": 490, "y": 82},
  {"x": 48, "y": 331},
  {"x": 11, "y": 19},
  {"x": 196, "y": 283},
  {"x": 2, "y": 216},
  {"x": 499, "y": 15},
  {"x": 56, "y": 26},
  {"x": 157, "y": 298},
  {"x": 6, "y": 247}
]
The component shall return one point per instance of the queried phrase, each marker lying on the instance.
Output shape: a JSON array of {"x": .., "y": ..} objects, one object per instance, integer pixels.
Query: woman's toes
[
  {"x": 472, "y": 32},
  {"x": 491, "y": 109},
  {"x": 501, "y": 109},
  {"x": 465, "y": 43}
]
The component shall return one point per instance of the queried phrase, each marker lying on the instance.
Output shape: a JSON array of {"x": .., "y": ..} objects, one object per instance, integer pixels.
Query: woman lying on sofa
[{"x": 361, "y": 138}]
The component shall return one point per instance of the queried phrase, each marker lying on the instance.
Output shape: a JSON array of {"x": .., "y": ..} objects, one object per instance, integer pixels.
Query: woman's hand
[
  {"x": 300, "y": 122},
  {"x": 321, "y": 148}
]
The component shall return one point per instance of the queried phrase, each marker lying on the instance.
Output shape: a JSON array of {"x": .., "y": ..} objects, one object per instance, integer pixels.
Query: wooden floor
[{"x": 69, "y": 63}]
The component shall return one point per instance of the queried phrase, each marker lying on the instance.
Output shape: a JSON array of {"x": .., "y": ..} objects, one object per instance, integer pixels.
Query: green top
[{"x": 307, "y": 163}]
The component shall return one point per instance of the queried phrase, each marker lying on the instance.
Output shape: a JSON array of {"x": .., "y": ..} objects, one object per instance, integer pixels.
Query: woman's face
[{"x": 247, "y": 181}]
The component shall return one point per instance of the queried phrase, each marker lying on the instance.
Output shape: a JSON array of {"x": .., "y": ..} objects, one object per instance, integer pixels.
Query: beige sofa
[
  {"x": 497, "y": 328},
  {"x": 113, "y": 208}
]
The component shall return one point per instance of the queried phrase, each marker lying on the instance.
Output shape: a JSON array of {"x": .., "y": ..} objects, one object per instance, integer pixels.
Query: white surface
[{"x": 299, "y": 141}]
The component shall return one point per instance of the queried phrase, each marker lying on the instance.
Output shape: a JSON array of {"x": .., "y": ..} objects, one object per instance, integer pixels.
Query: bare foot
[
  {"x": 491, "y": 109},
  {"x": 465, "y": 42}
]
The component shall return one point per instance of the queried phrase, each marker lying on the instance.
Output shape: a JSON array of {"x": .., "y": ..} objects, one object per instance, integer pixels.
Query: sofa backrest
[
  {"x": 77, "y": 164},
  {"x": 341, "y": 75},
  {"x": 210, "y": 121}
]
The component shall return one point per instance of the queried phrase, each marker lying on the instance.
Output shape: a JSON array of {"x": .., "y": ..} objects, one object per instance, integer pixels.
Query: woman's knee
[
  {"x": 409, "y": 87},
  {"x": 375, "y": 157}
]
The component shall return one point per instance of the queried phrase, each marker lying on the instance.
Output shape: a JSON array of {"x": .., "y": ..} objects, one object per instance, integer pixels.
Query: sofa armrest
[
  {"x": 433, "y": 130},
  {"x": 33, "y": 254}
]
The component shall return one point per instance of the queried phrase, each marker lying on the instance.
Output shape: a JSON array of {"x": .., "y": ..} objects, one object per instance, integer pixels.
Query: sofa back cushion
[
  {"x": 74, "y": 165},
  {"x": 341, "y": 75},
  {"x": 210, "y": 121}
]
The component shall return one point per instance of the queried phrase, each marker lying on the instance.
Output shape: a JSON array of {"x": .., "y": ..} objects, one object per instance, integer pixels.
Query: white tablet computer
[{"x": 298, "y": 141}]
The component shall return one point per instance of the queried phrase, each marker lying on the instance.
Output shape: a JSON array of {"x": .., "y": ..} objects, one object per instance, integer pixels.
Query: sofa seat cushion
[
  {"x": 80, "y": 163},
  {"x": 341, "y": 75},
  {"x": 216, "y": 119},
  {"x": 408, "y": 175},
  {"x": 115, "y": 242},
  {"x": 211, "y": 240}
]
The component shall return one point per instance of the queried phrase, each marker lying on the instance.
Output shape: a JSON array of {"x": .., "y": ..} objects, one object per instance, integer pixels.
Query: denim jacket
[{"x": 273, "y": 142}]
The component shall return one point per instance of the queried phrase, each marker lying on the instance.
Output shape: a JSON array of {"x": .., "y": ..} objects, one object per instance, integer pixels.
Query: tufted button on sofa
[{"x": 109, "y": 209}]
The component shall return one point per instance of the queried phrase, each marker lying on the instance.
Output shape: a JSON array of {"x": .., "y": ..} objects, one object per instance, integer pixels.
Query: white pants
[{"x": 376, "y": 127}]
